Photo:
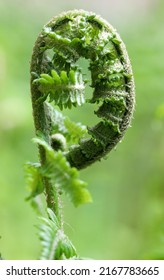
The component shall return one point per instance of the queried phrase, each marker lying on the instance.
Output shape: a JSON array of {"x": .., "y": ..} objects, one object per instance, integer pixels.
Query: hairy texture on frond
[
  {"x": 55, "y": 244},
  {"x": 57, "y": 78}
]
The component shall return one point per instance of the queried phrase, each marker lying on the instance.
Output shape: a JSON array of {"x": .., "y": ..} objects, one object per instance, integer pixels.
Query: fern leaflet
[
  {"x": 62, "y": 175},
  {"x": 34, "y": 179},
  {"x": 55, "y": 244},
  {"x": 65, "y": 89}
]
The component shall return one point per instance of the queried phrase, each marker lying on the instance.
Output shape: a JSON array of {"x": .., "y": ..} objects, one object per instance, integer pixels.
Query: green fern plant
[{"x": 65, "y": 147}]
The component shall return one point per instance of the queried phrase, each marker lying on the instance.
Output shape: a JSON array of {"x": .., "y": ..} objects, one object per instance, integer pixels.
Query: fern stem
[
  {"x": 39, "y": 115},
  {"x": 53, "y": 199}
]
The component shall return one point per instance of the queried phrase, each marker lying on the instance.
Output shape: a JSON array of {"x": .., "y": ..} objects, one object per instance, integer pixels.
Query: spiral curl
[{"x": 56, "y": 77}]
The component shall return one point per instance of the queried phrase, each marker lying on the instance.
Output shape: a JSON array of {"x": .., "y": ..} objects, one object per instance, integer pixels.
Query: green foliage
[
  {"x": 65, "y": 146},
  {"x": 58, "y": 123},
  {"x": 62, "y": 175},
  {"x": 131, "y": 202},
  {"x": 69, "y": 37},
  {"x": 75, "y": 131},
  {"x": 55, "y": 244},
  {"x": 64, "y": 89}
]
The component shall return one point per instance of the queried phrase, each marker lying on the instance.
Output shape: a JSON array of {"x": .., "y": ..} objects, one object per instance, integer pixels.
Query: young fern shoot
[{"x": 57, "y": 82}]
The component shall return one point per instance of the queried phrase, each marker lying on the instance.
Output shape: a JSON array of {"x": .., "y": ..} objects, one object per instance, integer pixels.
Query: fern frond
[
  {"x": 62, "y": 175},
  {"x": 55, "y": 244},
  {"x": 70, "y": 37}
]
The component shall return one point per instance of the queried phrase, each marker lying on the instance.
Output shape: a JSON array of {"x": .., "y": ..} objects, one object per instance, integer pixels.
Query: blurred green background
[{"x": 126, "y": 218}]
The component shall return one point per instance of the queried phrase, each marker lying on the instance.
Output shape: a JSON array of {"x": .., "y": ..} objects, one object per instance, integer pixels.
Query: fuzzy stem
[{"x": 52, "y": 197}]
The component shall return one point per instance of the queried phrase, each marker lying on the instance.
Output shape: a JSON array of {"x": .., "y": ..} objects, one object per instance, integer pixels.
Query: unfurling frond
[{"x": 58, "y": 80}]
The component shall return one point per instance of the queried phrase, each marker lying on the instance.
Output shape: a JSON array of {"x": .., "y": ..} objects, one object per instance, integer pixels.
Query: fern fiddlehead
[{"x": 57, "y": 78}]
